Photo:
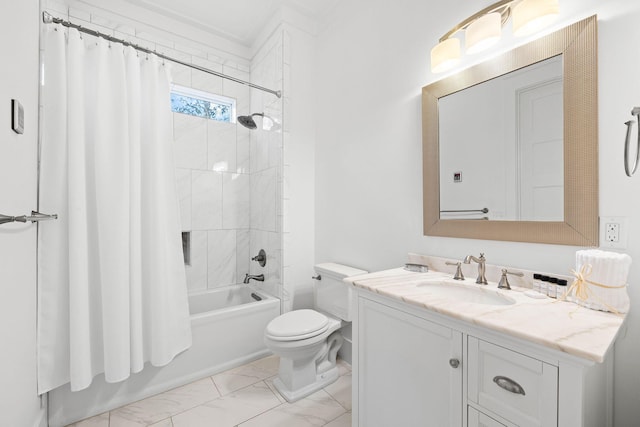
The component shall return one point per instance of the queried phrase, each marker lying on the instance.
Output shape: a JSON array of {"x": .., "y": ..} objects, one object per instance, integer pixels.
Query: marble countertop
[{"x": 556, "y": 324}]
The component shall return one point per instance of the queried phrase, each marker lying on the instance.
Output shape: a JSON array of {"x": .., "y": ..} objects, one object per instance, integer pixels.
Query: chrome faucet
[
  {"x": 257, "y": 277},
  {"x": 482, "y": 280},
  {"x": 458, "y": 275}
]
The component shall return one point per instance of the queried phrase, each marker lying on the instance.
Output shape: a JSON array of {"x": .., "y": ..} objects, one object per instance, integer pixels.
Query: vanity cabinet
[
  {"x": 415, "y": 367},
  {"x": 476, "y": 418},
  {"x": 518, "y": 388},
  {"x": 410, "y": 369}
]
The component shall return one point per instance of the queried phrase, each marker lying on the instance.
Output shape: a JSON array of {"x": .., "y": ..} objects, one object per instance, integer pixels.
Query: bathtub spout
[{"x": 258, "y": 277}]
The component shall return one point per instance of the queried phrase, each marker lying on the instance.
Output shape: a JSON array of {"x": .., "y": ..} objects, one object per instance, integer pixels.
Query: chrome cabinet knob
[{"x": 454, "y": 363}]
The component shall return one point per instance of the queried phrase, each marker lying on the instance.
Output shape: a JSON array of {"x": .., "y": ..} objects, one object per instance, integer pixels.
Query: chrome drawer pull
[
  {"x": 454, "y": 363},
  {"x": 508, "y": 384}
]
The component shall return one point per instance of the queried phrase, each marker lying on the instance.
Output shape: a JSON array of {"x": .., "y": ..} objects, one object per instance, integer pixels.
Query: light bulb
[
  {"x": 445, "y": 55},
  {"x": 483, "y": 32},
  {"x": 530, "y": 16}
]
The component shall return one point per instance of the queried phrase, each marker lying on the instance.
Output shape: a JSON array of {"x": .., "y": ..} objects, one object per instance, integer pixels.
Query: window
[{"x": 202, "y": 104}]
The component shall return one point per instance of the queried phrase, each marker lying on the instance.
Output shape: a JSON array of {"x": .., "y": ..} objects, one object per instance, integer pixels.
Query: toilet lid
[{"x": 297, "y": 325}]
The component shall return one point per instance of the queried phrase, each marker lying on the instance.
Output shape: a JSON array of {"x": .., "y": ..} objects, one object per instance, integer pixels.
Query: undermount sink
[{"x": 465, "y": 293}]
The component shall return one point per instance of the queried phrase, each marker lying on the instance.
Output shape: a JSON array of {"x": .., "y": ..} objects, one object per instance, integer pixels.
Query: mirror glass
[
  {"x": 517, "y": 135},
  {"x": 501, "y": 147}
]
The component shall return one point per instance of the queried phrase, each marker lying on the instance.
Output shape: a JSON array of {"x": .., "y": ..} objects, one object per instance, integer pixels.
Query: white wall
[
  {"x": 299, "y": 167},
  {"x": 19, "y": 402},
  {"x": 372, "y": 62}
]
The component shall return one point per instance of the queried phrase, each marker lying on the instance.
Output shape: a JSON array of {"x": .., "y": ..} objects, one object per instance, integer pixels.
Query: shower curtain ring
[{"x": 630, "y": 171}]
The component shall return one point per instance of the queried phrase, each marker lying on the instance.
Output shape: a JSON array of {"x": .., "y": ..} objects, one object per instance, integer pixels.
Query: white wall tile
[
  {"x": 181, "y": 75},
  {"x": 243, "y": 254},
  {"x": 275, "y": 149},
  {"x": 222, "y": 258},
  {"x": 263, "y": 201},
  {"x": 157, "y": 39},
  {"x": 56, "y": 8},
  {"x": 286, "y": 114},
  {"x": 274, "y": 267},
  {"x": 80, "y": 15},
  {"x": 222, "y": 146},
  {"x": 205, "y": 81},
  {"x": 286, "y": 220},
  {"x": 240, "y": 92},
  {"x": 174, "y": 53},
  {"x": 197, "y": 271},
  {"x": 259, "y": 151},
  {"x": 206, "y": 200},
  {"x": 183, "y": 187},
  {"x": 235, "y": 200},
  {"x": 190, "y": 141},
  {"x": 243, "y": 149},
  {"x": 259, "y": 240}
]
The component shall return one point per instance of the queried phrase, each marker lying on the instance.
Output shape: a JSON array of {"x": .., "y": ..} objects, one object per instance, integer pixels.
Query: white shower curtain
[{"x": 111, "y": 281}]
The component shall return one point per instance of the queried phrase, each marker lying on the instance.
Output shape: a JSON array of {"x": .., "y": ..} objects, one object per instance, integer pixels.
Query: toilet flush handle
[{"x": 318, "y": 277}]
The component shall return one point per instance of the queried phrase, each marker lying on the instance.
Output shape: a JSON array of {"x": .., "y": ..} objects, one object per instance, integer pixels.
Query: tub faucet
[
  {"x": 258, "y": 277},
  {"x": 482, "y": 280}
]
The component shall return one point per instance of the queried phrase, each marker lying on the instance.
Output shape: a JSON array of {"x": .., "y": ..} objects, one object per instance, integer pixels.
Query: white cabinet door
[
  {"x": 516, "y": 387},
  {"x": 478, "y": 419},
  {"x": 408, "y": 375}
]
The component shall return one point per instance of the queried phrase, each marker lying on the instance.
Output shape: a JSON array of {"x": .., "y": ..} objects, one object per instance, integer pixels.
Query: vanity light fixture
[{"x": 484, "y": 28}]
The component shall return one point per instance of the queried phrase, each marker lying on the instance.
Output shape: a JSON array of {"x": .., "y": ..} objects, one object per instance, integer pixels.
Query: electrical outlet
[{"x": 613, "y": 232}]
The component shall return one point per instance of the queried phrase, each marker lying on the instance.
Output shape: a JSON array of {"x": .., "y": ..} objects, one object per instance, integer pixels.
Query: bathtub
[{"x": 214, "y": 313}]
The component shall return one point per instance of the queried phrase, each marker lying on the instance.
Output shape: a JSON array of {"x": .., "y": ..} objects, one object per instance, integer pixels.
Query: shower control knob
[
  {"x": 261, "y": 258},
  {"x": 454, "y": 363}
]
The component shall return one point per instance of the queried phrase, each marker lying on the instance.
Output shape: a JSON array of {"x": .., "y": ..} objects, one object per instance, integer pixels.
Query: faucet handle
[
  {"x": 504, "y": 282},
  {"x": 458, "y": 275},
  {"x": 261, "y": 258}
]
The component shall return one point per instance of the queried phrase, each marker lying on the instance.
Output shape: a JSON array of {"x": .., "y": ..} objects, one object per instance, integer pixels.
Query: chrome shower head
[{"x": 248, "y": 122}]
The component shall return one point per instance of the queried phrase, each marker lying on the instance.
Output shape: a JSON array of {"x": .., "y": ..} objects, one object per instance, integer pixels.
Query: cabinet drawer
[
  {"x": 478, "y": 419},
  {"x": 516, "y": 387}
]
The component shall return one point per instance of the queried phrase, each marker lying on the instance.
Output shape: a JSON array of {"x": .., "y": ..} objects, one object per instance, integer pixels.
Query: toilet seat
[{"x": 297, "y": 325}]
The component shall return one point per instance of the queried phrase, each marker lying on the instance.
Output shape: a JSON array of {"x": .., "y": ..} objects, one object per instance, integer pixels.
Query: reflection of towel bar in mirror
[
  {"x": 630, "y": 170},
  {"x": 34, "y": 217},
  {"x": 483, "y": 210}
]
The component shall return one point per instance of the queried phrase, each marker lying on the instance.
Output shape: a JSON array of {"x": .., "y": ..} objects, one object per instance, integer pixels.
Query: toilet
[{"x": 308, "y": 341}]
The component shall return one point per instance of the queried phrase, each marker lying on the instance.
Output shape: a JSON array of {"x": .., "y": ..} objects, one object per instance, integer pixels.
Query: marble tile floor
[{"x": 242, "y": 397}]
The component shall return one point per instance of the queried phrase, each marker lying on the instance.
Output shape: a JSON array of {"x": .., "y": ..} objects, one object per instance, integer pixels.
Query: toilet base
[{"x": 322, "y": 380}]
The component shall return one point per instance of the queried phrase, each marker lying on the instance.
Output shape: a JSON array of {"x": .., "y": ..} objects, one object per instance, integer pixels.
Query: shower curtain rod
[{"x": 47, "y": 18}]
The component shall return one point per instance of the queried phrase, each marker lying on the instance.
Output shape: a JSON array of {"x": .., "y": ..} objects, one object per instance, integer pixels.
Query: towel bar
[
  {"x": 483, "y": 210},
  {"x": 34, "y": 217}
]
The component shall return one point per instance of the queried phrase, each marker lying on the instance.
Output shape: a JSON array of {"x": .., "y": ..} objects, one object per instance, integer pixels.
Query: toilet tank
[{"x": 331, "y": 294}]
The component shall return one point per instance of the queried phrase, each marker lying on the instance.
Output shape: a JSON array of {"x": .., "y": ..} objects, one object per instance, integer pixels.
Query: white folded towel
[{"x": 601, "y": 280}]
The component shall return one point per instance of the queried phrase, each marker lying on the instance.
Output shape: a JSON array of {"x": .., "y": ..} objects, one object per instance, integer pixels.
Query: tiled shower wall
[
  {"x": 228, "y": 177},
  {"x": 266, "y": 165},
  {"x": 213, "y": 174}
]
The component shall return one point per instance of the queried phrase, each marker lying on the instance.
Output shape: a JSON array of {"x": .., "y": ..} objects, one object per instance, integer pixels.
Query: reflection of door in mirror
[
  {"x": 501, "y": 147},
  {"x": 541, "y": 177}
]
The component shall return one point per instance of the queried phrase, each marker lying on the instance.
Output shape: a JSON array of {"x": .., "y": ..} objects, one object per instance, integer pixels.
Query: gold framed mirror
[{"x": 577, "y": 44}]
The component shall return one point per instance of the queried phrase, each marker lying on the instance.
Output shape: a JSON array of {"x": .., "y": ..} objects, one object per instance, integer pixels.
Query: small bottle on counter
[
  {"x": 552, "y": 287},
  {"x": 536, "y": 282},
  {"x": 561, "y": 288},
  {"x": 544, "y": 281}
]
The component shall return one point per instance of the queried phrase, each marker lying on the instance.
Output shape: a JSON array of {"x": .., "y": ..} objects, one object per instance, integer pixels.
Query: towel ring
[{"x": 632, "y": 170}]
